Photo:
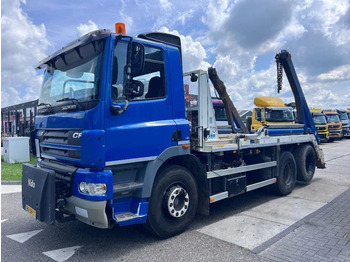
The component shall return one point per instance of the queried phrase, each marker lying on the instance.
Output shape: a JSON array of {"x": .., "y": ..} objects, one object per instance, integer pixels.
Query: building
[{"x": 18, "y": 120}]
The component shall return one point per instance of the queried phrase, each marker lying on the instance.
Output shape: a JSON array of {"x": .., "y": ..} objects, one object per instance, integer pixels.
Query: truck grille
[
  {"x": 56, "y": 136},
  {"x": 320, "y": 128},
  {"x": 64, "y": 176},
  {"x": 334, "y": 126},
  {"x": 63, "y": 143}
]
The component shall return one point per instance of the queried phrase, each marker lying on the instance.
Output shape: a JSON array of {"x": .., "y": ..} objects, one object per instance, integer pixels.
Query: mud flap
[
  {"x": 38, "y": 193},
  {"x": 320, "y": 162}
]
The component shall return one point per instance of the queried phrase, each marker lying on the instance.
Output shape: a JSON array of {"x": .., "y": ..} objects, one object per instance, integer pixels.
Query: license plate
[{"x": 31, "y": 211}]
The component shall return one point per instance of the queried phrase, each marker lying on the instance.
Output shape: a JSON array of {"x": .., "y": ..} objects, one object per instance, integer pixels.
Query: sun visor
[{"x": 85, "y": 39}]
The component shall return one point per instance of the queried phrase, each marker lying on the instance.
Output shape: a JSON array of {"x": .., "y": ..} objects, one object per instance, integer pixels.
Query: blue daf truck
[{"x": 124, "y": 137}]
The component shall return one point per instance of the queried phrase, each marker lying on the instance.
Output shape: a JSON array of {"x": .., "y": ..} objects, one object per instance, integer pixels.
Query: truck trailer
[{"x": 119, "y": 143}]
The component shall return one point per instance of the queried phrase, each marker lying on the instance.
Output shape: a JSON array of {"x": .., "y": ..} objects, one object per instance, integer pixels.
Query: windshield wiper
[
  {"x": 47, "y": 106},
  {"x": 74, "y": 100}
]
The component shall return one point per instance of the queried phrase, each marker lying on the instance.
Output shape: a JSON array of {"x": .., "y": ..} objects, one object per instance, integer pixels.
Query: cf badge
[{"x": 76, "y": 135}]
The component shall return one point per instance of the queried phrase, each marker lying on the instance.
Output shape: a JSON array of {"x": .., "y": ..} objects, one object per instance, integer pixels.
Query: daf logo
[
  {"x": 31, "y": 183},
  {"x": 40, "y": 133},
  {"x": 76, "y": 135}
]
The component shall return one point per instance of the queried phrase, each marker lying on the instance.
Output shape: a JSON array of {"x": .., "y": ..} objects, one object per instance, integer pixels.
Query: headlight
[{"x": 92, "y": 188}]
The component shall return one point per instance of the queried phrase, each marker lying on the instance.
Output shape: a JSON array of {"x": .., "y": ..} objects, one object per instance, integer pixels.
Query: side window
[
  {"x": 152, "y": 76},
  {"x": 258, "y": 114},
  {"x": 118, "y": 71}
]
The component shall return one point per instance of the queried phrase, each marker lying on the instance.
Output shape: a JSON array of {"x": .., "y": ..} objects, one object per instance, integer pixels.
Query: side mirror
[
  {"x": 137, "y": 59},
  {"x": 135, "y": 89}
]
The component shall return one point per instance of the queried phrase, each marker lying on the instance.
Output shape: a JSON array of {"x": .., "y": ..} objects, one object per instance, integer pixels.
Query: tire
[
  {"x": 287, "y": 174},
  {"x": 330, "y": 140},
  {"x": 173, "y": 203},
  {"x": 305, "y": 158}
]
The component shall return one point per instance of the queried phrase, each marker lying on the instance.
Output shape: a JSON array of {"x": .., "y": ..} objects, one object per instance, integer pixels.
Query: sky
[{"x": 239, "y": 38}]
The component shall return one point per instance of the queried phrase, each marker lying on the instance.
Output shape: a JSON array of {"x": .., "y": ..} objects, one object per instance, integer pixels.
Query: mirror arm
[{"x": 117, "y": 110}]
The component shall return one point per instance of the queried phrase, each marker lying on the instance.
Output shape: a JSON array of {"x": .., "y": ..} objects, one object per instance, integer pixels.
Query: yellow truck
[
  {"x": 334, "y": 125},
  {"x": 320, "y": 121},
  {"x": 270, "y": 110}
]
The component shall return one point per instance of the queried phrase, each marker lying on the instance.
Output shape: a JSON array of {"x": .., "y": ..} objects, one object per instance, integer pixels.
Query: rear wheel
[
  {"x": 305, "y": 158},
  {"x": 173, "y": 202},
  {"x": 286, "y": 175}
]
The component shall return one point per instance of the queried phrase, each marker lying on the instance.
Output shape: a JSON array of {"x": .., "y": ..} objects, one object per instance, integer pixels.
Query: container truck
[{"x": 120, "y": 142}]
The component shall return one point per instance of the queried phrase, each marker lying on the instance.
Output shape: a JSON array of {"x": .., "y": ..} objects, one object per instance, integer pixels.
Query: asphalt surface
[{"x": 246, "y": 228}]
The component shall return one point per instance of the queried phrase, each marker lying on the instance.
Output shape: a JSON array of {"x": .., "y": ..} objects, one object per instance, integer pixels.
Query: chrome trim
[
  {"x": 241, "y": 169},
  {"x": 130, "y": 160},
  {"x": 219, "y": 196},
  {"x": 261, "y": 184}
]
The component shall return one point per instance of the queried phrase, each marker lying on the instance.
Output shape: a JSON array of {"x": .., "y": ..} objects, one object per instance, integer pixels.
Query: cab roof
[
  {"x": 271, "y": 101},
  {"x": 87, "y": 38}
]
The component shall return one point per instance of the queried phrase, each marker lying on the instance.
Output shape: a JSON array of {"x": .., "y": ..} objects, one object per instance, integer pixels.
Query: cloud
[
  {"x": 86, "y": 28},
  {"x": 340, "y": 73},
  {"x": 253, "y": 22},
  {"x": 193, "y": 53},
  {"x": 23, "y": 46},
  {"x": 317, "y": 34},
  {"x": 165, "y": 4}
]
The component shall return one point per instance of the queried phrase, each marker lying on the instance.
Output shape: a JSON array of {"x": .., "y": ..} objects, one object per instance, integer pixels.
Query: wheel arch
[
  {"x": 192, "y": 163},
  {"x": 182, "y": 157}
]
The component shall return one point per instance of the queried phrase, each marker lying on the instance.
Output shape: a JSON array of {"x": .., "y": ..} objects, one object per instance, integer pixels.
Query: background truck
[
  {"x": 270, "y": 110},
  {"x": 334, "y": 125},
  {"x": 119, "y": 142},
  {"x": 320, "y": 121},
  {"x": 345, "y": 121}
]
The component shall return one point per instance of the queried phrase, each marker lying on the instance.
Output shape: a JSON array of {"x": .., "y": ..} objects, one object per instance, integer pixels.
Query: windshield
[
  {"x": 73, "y": 76},
  {"x": 220, "y": 113},
  {"x": 343, "y": 116},
  {"x": 333, "y": 118},
  {"x": 279, "y": 115},
  {"x": 319, "y": 120}
]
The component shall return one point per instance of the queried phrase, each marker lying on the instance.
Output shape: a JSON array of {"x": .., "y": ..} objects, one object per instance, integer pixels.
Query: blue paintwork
[
  {"x": 145, "y": 129},
  {"x": 93, "y": 148},
  {"x": 137, "y": 206},
  {"x": 300, "y": 100},
  {"x": 93, "y": 176},
  {"x": 285, "y": 131}
]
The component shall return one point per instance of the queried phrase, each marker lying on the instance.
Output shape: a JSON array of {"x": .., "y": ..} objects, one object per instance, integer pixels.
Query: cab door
[{"x": 146, "y": 127}]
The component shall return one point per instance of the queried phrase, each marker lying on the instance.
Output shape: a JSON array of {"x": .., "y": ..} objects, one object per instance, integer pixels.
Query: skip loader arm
[{"x": 232, "y": 114}]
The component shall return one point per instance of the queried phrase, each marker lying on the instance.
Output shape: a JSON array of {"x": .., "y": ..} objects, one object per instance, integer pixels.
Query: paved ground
[
  {"x": 322, "y": 236},
  {"x": 310, "y": 224}
]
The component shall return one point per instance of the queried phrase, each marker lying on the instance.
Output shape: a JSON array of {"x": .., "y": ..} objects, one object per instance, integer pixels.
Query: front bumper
[
  {"x": 89, "y": 212},
  {"x": 323, "y": 136},
  {"x": 335, "y": 133},
  {"x": 346, "y": 131},
  {"x": 40, "y": 199}
]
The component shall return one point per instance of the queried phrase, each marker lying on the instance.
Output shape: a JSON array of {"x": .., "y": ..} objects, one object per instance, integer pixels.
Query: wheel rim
[
  {"x": 177, "y": 201},
  {"x": 287, "y": 174},
  {"x": 309, "y": 164}
]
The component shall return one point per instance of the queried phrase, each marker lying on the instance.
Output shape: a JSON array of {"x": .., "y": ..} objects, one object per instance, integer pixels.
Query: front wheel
[
  {"x": 287, "y": 174},
  {"x": 173, "y": 203}
]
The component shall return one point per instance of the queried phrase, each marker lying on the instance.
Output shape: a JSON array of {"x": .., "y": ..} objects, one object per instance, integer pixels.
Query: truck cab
[
  {"x": 320, "y": 121},
  {"x": 334, "y": 125},
  {"x": 345, "y": 120},
  {"x": 271, "y": 111}
]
